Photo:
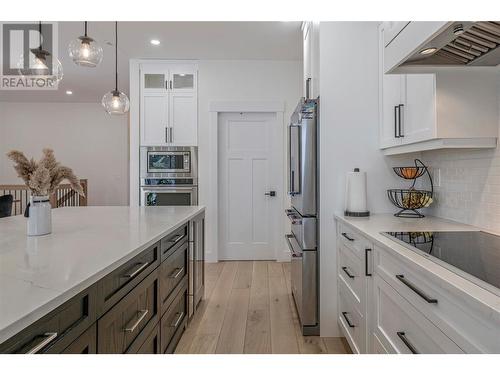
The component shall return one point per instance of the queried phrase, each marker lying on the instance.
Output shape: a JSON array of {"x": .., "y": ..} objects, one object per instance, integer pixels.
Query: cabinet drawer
[
  {"x": 118, "y": 283},
  {"x": 172, "y": 272},
  {"x": 402, "y": 328},
  {"x": 58, "y": 329},
  {"x": 456, "y": 316},
  {"x": 131, "y": 319},
  {"x": 175, "y": 318},
  {"x": 351, "y": 271},
  {"x": 85, "y": 344},
  {"x": 170, "y": 243},
  {"x": 352, "y": 322},
  {"x": 353, "y": 240},
  {"x": 152, "y": 343}
]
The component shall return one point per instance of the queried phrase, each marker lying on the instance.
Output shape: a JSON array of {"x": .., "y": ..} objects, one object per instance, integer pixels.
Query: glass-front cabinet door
[
  {"x": 154, "y": 79},
  {"x": 183, "y": 78}
]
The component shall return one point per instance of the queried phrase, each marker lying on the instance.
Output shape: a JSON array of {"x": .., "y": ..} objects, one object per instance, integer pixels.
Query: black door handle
[
  {"x": 396, "y": 121},
  {"x": 344, "y": 314},
  {"x": 271, "y": 193},
  {"x": 401, "y": 107},
  {"x": 367, "y": 272},
  {"x": 408, "y": 344},
  {"x": 416, "y": 289}
]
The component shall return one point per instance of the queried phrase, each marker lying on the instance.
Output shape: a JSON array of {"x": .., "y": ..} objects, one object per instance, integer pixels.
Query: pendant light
[
  {"x": 39, "y": 61},
  {"x": 116, "y": 102},
  {"x": 85, "y": 51}
]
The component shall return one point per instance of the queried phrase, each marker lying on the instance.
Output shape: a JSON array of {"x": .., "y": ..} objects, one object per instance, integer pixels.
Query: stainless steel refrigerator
[{"x": 303, "y": 213}]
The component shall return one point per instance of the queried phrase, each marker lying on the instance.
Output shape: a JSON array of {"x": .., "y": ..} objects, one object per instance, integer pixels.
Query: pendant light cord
[
  {"x": 85, "y": 28},
  {"x": 116, "y": 55},
  {"x": 40, "y": 34}
]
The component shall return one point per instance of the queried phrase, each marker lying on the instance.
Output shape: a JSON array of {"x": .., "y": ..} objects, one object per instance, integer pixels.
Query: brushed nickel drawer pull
[
  {"x": 176, "y": 273},
  {"x": 49, "y": 337},
  {"x": 351, "y": 276},
  {"x": 408, "y": 344},
  {"x": 176, "y": 239},
  {"x": 344, "y": 314},
  {"x": 178, "y": 320},
  {"x": 140, "y": 318},
  {"x": 416, "y": 289},
  {"x": 348, "y": 238},
  {"x": 139, "y": 269}
]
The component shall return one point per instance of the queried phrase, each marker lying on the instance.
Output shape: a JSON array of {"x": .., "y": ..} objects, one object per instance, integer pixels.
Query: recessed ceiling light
[
  {"x": 155, "y": 42},
  {"x": 69, "y": 92},
  {"x": 428, "y": 51}
]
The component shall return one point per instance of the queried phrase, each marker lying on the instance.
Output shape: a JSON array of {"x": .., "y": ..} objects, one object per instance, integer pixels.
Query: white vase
[{"x": 39, "y": 216}]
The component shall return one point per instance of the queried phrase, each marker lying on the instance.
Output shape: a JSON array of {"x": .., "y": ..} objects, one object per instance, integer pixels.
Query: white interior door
[{"x": 250, "y": 165}]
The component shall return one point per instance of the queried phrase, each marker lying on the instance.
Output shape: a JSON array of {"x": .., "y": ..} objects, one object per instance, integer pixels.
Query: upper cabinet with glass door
[
  {"x": 183, "y": 78},
  {"x": 169, "y": 104}
]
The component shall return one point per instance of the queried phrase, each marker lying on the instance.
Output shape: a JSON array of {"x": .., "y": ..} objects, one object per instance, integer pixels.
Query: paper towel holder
[{"x": 356, "y": 214}]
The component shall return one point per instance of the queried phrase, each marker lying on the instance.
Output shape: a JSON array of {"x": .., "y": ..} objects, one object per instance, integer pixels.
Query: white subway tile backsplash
[{"x": 470, "y": 186}]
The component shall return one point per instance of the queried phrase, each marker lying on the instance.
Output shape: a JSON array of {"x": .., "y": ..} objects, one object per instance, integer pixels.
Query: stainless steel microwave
[{"x": 168, "y": 162}]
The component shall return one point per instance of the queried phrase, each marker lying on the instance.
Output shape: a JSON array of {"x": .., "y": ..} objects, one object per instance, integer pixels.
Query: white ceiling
[{"x": 179, "y": 40}]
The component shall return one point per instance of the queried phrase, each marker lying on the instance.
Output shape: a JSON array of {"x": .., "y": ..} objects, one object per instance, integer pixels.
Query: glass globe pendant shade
[
  {"x": 115, "y": 103},
  {"x": 85, "y": 51},
  {"x": 38, "y": 65}
]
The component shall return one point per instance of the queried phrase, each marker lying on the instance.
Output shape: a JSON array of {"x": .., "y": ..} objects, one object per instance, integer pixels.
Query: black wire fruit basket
[{"x": 411, "y": 200}]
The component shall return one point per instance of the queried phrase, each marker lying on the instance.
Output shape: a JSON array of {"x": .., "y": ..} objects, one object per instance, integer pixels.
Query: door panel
[
  {"x": 184, "y": 119},
  {"x": 154, "y": 116},
  {"x": 250, "y": 164},
  {"x": 392, "y": 88},
  {"x": 420, "y": 110}
]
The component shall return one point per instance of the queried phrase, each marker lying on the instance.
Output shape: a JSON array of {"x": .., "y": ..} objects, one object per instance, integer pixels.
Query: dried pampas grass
[{"x": 43, "y": 177}]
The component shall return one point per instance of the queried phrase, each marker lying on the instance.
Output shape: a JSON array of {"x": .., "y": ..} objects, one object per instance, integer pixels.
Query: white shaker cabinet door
[
  {"x": 154, "y": 119},
  {"x": 392, "y": 95},
  {"x": 183, "y": 119},
  {"x": 419, "y": 116}
]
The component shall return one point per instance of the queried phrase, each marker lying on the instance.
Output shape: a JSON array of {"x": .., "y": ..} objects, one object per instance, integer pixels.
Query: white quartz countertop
[
  {"x": 37, "y": 274},
  {"x": 373, "y": 225}
]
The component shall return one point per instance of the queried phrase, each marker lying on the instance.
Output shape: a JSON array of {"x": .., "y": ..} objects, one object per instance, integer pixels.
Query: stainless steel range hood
[{"x": 461, "y": 44}]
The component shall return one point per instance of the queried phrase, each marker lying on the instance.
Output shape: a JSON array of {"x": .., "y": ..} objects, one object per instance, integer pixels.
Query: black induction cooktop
[{"x": 475, "y": 254}]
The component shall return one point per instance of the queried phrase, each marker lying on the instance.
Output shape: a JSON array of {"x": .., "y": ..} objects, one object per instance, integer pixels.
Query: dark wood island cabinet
[{"x": 141, "y": 306}]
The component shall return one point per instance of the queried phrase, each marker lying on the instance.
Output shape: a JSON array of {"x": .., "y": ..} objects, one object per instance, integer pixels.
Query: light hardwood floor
[{"x": 249, "y": 308}]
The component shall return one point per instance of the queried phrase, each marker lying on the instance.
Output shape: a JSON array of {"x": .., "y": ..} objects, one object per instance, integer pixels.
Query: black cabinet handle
[
  {"x": 396, "y": 121},
  {"x": 408, "y": 344},
  {"x": 344, "y": 314},
  {"x": 346, "y": 236},
  {"x": 401, "y": 135},
  {"x": 416, "y": 289},
  {"x": 367, "y": 273},
  {"x": 347, "y": 272}
]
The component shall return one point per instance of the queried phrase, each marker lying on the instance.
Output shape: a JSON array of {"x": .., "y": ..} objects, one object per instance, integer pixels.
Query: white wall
[
  {"x": 238, "y": 80},
  {"x": 84, "y": 138},
  {"x": 349, "y": 126}
]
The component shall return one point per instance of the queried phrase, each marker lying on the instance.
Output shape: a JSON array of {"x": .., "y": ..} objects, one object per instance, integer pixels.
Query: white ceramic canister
[{"x": 39, "y": 216}]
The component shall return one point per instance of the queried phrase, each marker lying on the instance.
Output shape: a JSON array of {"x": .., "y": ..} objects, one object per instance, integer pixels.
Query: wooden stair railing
[{"x": 64, "y": 196}]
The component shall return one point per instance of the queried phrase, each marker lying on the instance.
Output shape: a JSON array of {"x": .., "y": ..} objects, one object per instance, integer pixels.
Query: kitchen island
[{"x": 114, "y": 270}]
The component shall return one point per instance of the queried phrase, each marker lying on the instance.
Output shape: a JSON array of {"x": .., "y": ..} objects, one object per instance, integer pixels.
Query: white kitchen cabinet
[
  {"x": 403, "y": 329},
  {"x": 168, "y": 105},
  {"x": 354, "y": 254},
  {"x": 402, "y": 306},
  {"x": 453, "y": 108},
  {"x": 310, "y": 33}
]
